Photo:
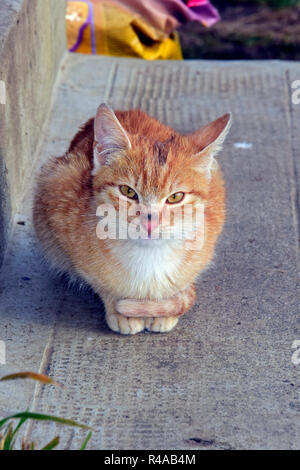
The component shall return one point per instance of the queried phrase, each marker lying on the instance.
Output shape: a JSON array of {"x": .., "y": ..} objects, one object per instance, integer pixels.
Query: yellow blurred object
[{"x": 109, "y": 28}]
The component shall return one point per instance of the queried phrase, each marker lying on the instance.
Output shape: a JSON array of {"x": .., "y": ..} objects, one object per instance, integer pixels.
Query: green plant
[{"x": 9, "y": 431}]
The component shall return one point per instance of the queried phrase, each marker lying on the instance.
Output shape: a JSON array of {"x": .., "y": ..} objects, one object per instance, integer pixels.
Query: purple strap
[{"x": 89, "y": 21}]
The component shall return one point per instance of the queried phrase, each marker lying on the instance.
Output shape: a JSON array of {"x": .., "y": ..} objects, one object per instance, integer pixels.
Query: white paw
[
  {"x": 160, "y": 325},
  {"x": 125, "y": 325},
  {"x": 131, "y": 325}
]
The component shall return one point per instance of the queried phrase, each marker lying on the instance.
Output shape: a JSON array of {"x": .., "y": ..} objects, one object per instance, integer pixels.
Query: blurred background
[
  {"x": 185, "y": 29},
  {"x": 257, "y": 29}
]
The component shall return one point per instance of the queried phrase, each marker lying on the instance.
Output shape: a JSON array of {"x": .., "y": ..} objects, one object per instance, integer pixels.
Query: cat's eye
[
  {"x": 174, "y": 198},
  {"x": 128, "y": 192}
]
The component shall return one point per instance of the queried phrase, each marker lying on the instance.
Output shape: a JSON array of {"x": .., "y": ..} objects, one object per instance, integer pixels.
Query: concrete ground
[{"x": 224, "y": 378}]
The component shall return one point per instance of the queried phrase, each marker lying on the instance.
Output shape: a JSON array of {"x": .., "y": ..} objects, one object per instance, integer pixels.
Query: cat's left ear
[
  {"x": 110, "y": 138},
  {"x": 210, "y": 139}
]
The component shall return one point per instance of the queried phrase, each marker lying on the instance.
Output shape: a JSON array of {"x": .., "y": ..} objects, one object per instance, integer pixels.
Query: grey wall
[{"x": 32, "y": 44}]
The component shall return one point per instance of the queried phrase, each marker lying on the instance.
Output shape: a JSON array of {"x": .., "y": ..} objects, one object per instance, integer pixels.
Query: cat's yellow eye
[
  {"x": 174, "y": 198},
  {"x": 128, "y": 192}
]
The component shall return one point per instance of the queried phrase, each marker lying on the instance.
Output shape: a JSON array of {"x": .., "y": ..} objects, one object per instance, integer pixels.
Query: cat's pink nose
[{"x": 149, "y": 223}]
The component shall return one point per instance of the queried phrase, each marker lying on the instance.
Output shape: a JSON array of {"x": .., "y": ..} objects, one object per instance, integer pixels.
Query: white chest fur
[{"x": 151, "y": 265}]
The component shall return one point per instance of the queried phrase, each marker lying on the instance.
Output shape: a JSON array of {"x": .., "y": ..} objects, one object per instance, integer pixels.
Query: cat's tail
[{"x": 173, "y": 307}]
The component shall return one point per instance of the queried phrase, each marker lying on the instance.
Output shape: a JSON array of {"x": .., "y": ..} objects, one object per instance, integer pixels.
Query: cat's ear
[
  {"x": 109, "y": 137},
  {"x": 210, "y": 139}
]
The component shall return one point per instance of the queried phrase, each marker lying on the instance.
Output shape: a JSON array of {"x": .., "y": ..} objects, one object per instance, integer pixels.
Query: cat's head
[{"x": 156, "y": 186}]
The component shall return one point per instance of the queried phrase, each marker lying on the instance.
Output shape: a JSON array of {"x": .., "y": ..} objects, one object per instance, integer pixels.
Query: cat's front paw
[
  {"x": 131, "y": 325},
  {"x": 161, "y": 325},
  {"x": 124, "y": 325}
]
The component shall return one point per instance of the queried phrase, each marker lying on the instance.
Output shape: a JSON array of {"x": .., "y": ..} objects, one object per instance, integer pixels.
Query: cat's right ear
[
  {"x": 209, "y": 140},
  {"x": 109, "y": 137}
]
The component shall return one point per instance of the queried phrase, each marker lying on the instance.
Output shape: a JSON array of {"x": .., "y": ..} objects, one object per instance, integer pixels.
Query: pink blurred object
[
  {"x": 206, "y": 13},
  {"x": 167, "y": 15}
]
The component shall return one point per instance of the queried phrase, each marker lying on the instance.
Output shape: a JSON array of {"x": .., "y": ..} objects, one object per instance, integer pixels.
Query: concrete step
[
  {"x": 32, "y": 44},
  {"x": 224, "y": 378}
]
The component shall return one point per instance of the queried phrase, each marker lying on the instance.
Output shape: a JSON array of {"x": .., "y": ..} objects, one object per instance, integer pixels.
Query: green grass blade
[
  {"x": 8, "y": 438},
  {"x": 83, "y": 447},
  {"x": 22, "y": 421},
  {"x": 42, "y": 417},
  {"x": 52, "y": 444}
]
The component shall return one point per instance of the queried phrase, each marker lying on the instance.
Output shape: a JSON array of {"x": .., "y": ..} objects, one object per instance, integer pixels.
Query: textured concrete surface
[
  {"x": 32, "y": 43},
  {"x": 223, "y": 379}
]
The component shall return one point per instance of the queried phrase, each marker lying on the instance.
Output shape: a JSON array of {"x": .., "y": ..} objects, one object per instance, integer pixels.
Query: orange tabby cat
[{"x": 127, "y": 167}]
